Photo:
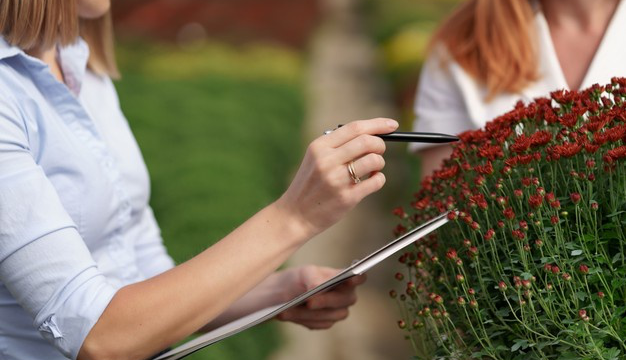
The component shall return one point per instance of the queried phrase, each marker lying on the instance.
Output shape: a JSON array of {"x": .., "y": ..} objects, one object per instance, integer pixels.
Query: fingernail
[{"x": 392, "y": 123}]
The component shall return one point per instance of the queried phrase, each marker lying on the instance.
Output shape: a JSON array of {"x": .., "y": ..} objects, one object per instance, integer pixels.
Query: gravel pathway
[{"x": 344, "y": 83}]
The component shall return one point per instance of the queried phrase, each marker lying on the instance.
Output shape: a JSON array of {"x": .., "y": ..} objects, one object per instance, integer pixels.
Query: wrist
[{"x": 296, "y": 226}]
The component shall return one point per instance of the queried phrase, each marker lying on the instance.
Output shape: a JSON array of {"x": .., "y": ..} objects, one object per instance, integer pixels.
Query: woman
[
  {"x": 490, "y": 54},
  {"x": 83, "y": 272}
]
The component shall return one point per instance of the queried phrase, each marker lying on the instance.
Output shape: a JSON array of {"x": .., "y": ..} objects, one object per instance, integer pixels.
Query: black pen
[{"x": 420, "y": 137}]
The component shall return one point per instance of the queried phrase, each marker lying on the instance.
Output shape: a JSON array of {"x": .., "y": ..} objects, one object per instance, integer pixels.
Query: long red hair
[{"x": 494, "y": 42}]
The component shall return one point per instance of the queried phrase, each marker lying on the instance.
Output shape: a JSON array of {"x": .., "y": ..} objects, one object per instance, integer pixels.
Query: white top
[
  {"x": 449, "y": 100},
  {"x": 75, "y": 224}
]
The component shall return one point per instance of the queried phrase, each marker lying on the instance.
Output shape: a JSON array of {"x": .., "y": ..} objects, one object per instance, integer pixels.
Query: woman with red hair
[{"x": 490, "y": 54}]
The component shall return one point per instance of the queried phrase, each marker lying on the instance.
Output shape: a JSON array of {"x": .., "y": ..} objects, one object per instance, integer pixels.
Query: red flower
[
  {"x": 399, "y": 212},
  {"x": 584, "y": 269},
  {"x": 615, "y": 154},
  {"x": 575, "y": 198},
  {"x": 451, "y": 254},
  {"x": 490, "y": 152},
  {"x": 540, "y": 138},
  {"x": 509, "y": 213},
  {"x": 566, "y": 149},
  {"x": 518, "y": 234},
  {"x": 486, "y": 169},
  {"x": 535, "y": 201},
  {"x": 521, "y": 144}
]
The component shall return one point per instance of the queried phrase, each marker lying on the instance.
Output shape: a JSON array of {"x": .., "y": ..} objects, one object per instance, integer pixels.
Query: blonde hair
[
  {"x": 494, "y": 42},
  {"x": 40, "y": 24}
]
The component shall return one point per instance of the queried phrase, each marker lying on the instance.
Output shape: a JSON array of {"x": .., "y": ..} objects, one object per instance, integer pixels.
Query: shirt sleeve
[
  {"x": 152, "y": 257},
  {"x": 439, "y": 104},
  {"x": 44, "y": 262}
]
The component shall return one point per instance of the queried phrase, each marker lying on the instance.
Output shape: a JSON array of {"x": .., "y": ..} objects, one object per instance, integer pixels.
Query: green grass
[{"x": 220, "y": 133}]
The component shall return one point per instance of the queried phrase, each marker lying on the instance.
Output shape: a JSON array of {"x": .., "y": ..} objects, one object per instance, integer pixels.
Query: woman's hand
[
  {"x": 322, "y": 310},
  {"x": 323, "y": 189}
]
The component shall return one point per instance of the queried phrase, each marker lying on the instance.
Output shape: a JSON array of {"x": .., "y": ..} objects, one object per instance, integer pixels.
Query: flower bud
[
  {"x": 518, "y": 193},
  {"x": 582, "y": 313},
  {"x": 438, "y": 300},
  {"x": 600, "y": 294},
  {"x": 555, "y": 269},
  {"x": 460, "y": 278},
  {"x": 399, "y": 212},
  {"x": 502, "y": 286},
  {"x": 436, "y": 313},
  {"x": 584, "y": 269},
  {"x": 472, "y": 252},
  {"x": 539, "y": 243},
  {"x": 473, "y": 304},
  {"x": 471, "y": 291},
  {"x": 594, "y": 206},
  {"x": 401, "y": 324},
  {"x": 393, "y": 294},
  {"x": 523, "y": 225},
  {"x": 566, "y": 277},
  {"x": 459, "y": 262},
  {"x": 399, "y": 276},
  {"x": 554, "y": 220},
  {"x": 575, "y": 197},
  {"x": 547, "y": 268},
  {"x": 461, "y": 301}
]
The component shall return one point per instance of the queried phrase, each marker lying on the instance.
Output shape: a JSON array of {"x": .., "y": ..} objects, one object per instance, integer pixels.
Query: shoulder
[{"x": 12, "y": 96}]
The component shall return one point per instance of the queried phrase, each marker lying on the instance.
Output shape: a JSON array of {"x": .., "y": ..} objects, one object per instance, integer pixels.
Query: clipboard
[{"x": 357, "y": 268}]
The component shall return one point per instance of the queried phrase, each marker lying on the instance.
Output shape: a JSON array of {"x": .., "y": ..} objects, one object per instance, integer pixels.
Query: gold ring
[{"x": 352, "y": 173}]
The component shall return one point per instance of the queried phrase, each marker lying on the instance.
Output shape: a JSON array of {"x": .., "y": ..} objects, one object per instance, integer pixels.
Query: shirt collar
[
  {"x": 72, "y": 59},
  {"x": 7, "y": 50}
]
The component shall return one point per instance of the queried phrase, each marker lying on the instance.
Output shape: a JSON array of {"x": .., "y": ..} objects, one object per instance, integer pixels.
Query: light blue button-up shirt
[{"x": 75, "y": 224}]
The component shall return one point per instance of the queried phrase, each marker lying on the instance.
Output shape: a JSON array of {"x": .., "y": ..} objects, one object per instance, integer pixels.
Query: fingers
[
  {"x": 362, "y": 127},
  {"x": 360, "y": 146},
  {"x": 301, "y": 315},
  {"x": 368, "y": 164}
]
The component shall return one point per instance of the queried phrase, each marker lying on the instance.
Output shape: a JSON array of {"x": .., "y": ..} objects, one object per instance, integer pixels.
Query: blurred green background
[{"x": 219, "y": 122}]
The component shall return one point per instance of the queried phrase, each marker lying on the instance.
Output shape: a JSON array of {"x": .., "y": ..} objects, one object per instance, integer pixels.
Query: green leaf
[
  {"x": 581, "y": 295},
  {"x": 520, "y": 343},
  {"x": 616, "y": 213},
  {"x": 617, "y": 257},
  {"x": 576, "y": 252},
  {"x": 610, "y": 354},
  {"x": 526, "y": 275}
]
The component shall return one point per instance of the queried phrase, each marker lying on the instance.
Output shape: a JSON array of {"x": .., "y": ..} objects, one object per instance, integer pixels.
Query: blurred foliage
[
  {"x": 403, "y": 29},
  {"x": 219, "y": 128}
]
